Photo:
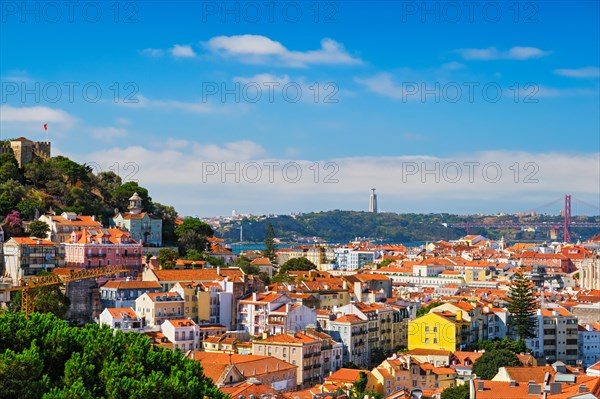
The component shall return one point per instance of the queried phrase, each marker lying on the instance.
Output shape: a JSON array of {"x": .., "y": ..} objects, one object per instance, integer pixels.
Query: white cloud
[
  {"x": 586, "y": 72},
  {"x": 199, "y": 107},
  {"x": 383, "y": 84},
  {"x": 453, "y": 66},
  {"x": 258, "y": 49},
  {"x": 31, "y": 120},
  {"x": 234, "y": 151},
  {"x": 263, "y": 79},
  {"x": 178, "y": 176},
  {"x": 492, "y": 53},
  {"x": 152, "y": 52},
  {"x": 107, "y": 133},
  {"x": 414, "y": 89},
  {"x": 182, "y": 51}
]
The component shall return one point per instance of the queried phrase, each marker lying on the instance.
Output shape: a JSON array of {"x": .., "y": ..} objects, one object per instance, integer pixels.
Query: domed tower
[{"x": 135, "y": 204}]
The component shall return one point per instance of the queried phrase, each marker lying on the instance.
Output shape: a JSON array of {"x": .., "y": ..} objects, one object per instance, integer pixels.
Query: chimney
[
  {"x": 583, "y": 388},
  {"x": 218, "y": 270},
  {"x": 513, "y": 383},
  {"x": 358, "y": 291},
  {"x": 479, "y": 386},
  {"x": 534, "y": 389},
  {"x": 555, "y": 388}
]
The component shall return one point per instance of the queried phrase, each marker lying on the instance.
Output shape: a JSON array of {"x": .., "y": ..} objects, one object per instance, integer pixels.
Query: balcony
[{"x": 96, "y": 255}]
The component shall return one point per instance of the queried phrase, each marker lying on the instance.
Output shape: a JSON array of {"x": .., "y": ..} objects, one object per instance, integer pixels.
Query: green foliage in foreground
[
  {"x": 44, "y": 357},
  {"x": 458, "y": 392}
]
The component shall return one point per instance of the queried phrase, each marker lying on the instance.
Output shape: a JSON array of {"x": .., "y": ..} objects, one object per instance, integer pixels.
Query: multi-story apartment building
[
  {"x": 301, "y": 350},
  {"x": 273, "y": 313},
  {"x": 156, "y": 307},
  {"x": 61, "y": 226},
  {"x": 122, "y": 294},
  {"x": 290, "y": 317},
  {"x": 439, "y": 330},
  {"x": 391, "y": 376},
  {"x": 380, "y": 318},
  {"x": 348, "y": 258},
  {"x": 25, "y": 256},
  {"x": 183, "y": 333},
  {"x": 352, "y": 331},
  {"x": 331, "y": 351},
  {"x": 556, "y": 337},
  {"x": 589, "y": 343},
  {"x": 103, "y": 247}
]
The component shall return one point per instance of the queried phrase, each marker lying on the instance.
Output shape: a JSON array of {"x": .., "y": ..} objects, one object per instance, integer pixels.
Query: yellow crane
[{"x": 31, "y": 283}]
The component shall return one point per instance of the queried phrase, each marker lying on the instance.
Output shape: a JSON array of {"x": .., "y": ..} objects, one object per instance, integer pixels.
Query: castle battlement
[{"x": 25, "y": 149}]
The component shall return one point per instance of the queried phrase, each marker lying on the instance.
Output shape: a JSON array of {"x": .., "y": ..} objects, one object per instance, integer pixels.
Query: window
[{"x": 426, "y": 340}]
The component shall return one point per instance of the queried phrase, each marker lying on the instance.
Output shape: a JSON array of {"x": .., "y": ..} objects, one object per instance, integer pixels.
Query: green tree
[
  {"x": 21, "y": 374},
  {"x": 522, "y": 305},
  {"x": 504, "y": 343},
  {"x": 38, "y": 229},
  {"x": 43, "y": 357},
  {"x": 168, "y": 214},
  {"x": 167, "y": 258},
  {"x": 378, "y": 355},
  {"x": 424, "y": 310},
  {"x": 9, "y": 167},
  {"x": 457, "y": 392},
  {"x": 28, "y": 205},
  {"x": 191, "y": 240},
  {"x": 270, "y": 250},
  {"x": 11, "y": 193},
  {"x": 194, "y": 254},
  {"x": 385, "y": 263},
  {"x": 297, "y": 264},
  {"x": 486, "y": 367},
  {"x": 197, "y": 225},
  {"x": 359, "y": 386},
  {"x": 121, "y": 195}
]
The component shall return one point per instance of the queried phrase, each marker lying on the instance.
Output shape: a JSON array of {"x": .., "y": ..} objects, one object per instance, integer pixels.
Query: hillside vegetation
[
  {"x": 64, "y": 185},
  {"x": 343, "y": 226}
]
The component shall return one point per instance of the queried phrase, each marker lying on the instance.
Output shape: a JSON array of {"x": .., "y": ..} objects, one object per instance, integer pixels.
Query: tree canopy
[
  {"x": 38, "y": 229},
  {"x": 457, "y": 392},
  {"x": 43, "y": 357},
  {"x": 486, "y": 367},
  {"x": 297, "y": 264}
]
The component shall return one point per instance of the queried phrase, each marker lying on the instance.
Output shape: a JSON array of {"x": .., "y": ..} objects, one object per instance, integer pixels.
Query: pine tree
[
  {"x": 522, "y": 305},
  {"x": 270, "y": 250}
]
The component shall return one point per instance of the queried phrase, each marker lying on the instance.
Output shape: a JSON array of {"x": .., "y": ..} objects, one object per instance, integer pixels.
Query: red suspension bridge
[{"x": 567, "y": 223}]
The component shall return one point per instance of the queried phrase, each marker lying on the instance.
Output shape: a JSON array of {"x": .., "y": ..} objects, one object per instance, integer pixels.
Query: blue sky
[{"x": 504, "y": 83}]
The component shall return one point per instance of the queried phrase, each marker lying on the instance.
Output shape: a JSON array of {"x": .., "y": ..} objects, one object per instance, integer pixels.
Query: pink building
[{"x": 103, "y": 247}]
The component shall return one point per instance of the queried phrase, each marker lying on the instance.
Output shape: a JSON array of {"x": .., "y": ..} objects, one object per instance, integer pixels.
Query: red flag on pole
[{"x": 45, "y": 126}]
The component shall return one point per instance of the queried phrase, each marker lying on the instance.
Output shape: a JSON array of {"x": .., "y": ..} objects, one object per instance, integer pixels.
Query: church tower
[{"x": 135, "y": 204}]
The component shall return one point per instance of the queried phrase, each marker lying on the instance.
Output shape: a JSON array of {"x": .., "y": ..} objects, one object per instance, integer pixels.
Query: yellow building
[{"x": 442, "y": 331}]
